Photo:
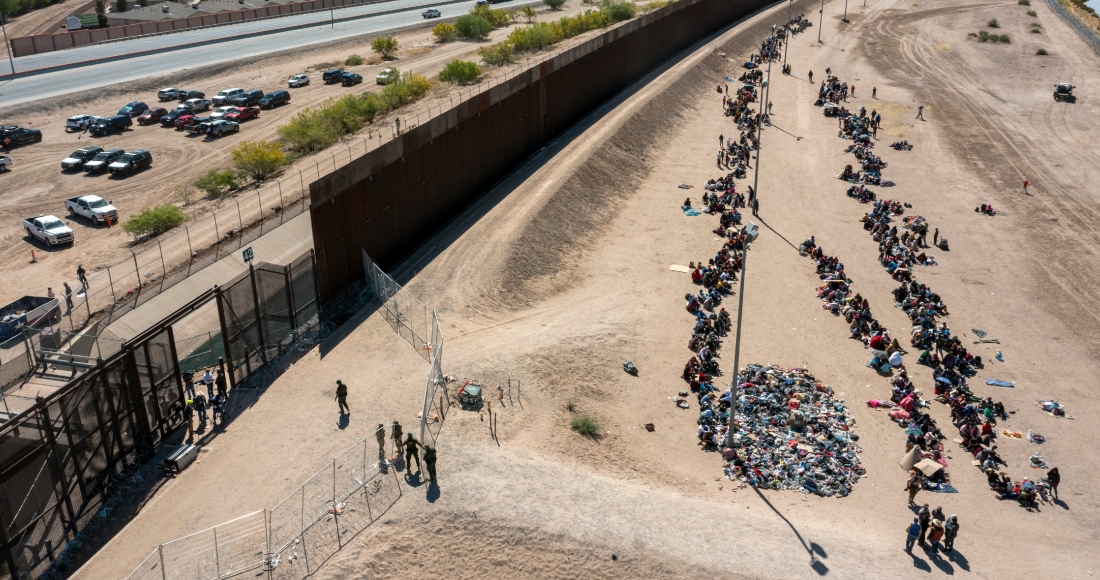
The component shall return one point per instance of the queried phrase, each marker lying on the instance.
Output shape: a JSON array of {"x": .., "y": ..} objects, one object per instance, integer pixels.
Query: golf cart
[{"x": 1064, "y": 92}]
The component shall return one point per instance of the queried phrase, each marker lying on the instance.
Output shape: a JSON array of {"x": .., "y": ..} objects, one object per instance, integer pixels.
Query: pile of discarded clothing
[{"x": 790, "y": 433}]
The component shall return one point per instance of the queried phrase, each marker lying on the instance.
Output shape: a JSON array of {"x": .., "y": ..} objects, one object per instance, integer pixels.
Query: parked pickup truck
[
  {"x": 51, "y": 230},
  {"x": 93, "y": 207},
  {"x": 28, "y": 312}
]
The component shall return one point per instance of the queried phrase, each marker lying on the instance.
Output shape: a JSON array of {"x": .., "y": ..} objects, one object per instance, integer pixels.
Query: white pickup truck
[
  {"x": 92, "y": 207},
  {"x": 49, "y": 229}
]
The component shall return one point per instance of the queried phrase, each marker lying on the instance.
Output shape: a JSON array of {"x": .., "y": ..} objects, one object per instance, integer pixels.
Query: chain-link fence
[
  {"x": 1089, "y": 35},
  {"x": 292, "y": 539},
  {"x": 407, "y": 315}
]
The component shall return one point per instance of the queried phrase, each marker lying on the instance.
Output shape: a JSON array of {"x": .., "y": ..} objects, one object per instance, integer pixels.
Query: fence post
[
  {"x": 333, "y": 164},
  {"x": 190, "y": 251},
  {"x": 260, "y": 204},
  {"x": 282, "y": 210},
  {"x": 288, "y": 275},
  {"x": 160, "y": 552},
  {"x": 163, "y": 268},
  {"x": 240, "y": 220},
  {"x": 259, "y": 316},
  {"x": 136, "y": 270},
  {"x": 217, "y": 564},
  {"x": 217, "y": 232},
  {"x": 219, "y": 296},
  {"x": 111, "y": 282}
]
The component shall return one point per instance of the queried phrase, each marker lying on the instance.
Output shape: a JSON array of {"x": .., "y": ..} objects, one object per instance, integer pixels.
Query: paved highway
[{"x": 212, "y": 48}]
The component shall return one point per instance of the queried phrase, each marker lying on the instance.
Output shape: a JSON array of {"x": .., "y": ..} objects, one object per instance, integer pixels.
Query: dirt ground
[
  {"x": 563, "y": 272},
  {"x": 37, "y": 185}
]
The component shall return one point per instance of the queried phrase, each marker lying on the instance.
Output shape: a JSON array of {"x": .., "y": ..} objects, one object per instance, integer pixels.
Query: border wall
[{"x": 394, "y": 198}]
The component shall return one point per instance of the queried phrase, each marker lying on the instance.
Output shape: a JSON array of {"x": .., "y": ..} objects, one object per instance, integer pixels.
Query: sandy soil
[
  {"x": 37, "y": 185},
  {"x": 562, "y": 273}
]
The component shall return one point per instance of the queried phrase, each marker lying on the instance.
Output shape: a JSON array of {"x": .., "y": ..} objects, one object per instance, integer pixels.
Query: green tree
[
  {"x": 385, "y": 46},
  {"x": 498, "y": 54},
  {"x": 443, "y": 32},
  {"x": 155, "y": 221},
  {"x": 143, "y": 3},
  {"x": 460, "y": 71},
  {"x": 353, "y": 60},
  {"x": 473, "y": 27},
  {"x": 122, "y": 6},
  {"x": 529, "y": 14},
  {"x": 101, "y": 12},
  {"x": 215, "y": 183},
  {"x": 258, "y": 159},
  {"x": 554, "y": 4},
  {"x": 618, "y": 10}
]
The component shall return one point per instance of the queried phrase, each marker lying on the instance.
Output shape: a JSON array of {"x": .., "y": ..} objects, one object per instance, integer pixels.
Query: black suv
[
  {"x": 79, "y": 157},
  {"x": 113, "y": 123},
  {"x": 130, "y": 162},
  {"x": 247, "y": 98},
  {"x": 275, "y": 98},
  {"x": 169, "y": 119},
  {"x": 187, "y": 95},
  {"x": 332, "y": 76},
  {"x": 99, "y": 163},
  {"x": 12, "y": 136},
  {"x": 350, "y": 79}
]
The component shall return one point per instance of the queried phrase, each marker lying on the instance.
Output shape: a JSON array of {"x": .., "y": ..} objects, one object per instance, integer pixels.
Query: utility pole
[
  {"x": 332, "y": 17},
  {"x": 787, "y": 40},
  {"x": 820, "y": 21},
  {"x": 7, "y": 45},
  {"x": 845, "y": 19}
]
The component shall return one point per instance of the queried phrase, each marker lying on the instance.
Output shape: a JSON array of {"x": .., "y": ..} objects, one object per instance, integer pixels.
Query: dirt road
[{"x": 563, "y": 272}]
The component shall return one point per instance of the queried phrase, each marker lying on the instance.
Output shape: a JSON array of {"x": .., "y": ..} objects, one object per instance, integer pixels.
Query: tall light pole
[
  {"x": 787, "y": 40},
  {"x": 820, "y": 21},
  {"x": 751, "y": 232},
  {"x": 760, "y": 131},
  {"x": 7, "y": 46},
  {"x": 845, "y": 19}
]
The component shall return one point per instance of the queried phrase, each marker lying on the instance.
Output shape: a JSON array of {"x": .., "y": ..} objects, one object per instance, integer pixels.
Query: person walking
[
  {"x": 874, "y": 92},
  {"x": 920, "y": 112},
  {"x": 82, "y": 276},
  {"x": 1026, "y": 183},
  {"x": 1054, "y": 478},
  {"x": 811, "y": 75},
  {"x": 208, "y": 380},
  {"x": 429, "y": 462},
  {"x": 950, "y": 530},
  {"x": 936, "y": 237},
  {"x": 381, "y": 435},
  {"x": 755, "y": 205},
  {"x": 189, "y": 383},
  {"x": 852, "y": 89},
  {"x": 925, "y": 519},
  {"x": 913, "y": 485},
  {"x": 342, "y": 397},
  {"x": 200, "y": 408},
  {"x": 68, "y": 292},
  {"x": 911, "y": 534},
  {"x": 219, "y": 382},
  {"x": 412, "y": 451}
]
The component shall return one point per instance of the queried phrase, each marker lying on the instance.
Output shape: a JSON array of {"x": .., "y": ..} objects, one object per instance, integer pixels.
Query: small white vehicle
[
  {"x": 388, "y": 75},
  {"x": 168, "y": 94},
  {"x": 298, "y": 81},
  {"x": 80, "y": 122},
  {"x": 197, "y": 105},
  {"x": 5, "y": 163},
  {"x": 49, "y": 229},
  {"x": 222, "y": 112},
  {"x": 92, "y": 207}
]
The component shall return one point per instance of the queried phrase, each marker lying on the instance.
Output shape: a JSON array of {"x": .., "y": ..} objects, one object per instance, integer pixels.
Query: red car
[
  {"x": 186, "y": 121},
  {"x": 151, "y": 116},
  {"x": 242, "y": 114}
]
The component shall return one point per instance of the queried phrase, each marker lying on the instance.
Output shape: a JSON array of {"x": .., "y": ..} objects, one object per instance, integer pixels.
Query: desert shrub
[
  {"x": 216, "y": 183},
  {"x": 993, "y": 23},
  {"x": 354, "y": 60},
  {"x": 658, "y": 4},
  {"x": 535, "y": 36},
  {"x": 1042, "y": 52},
  {"x": 1024, "y": 2},
  {"x": 588, "y": 20},
  {"x": 496, "y": 17},
  {"x": 460, "y": 71},
  {"x": 971, "y": 34},
  {"x": 984, "y": 36},
  {"x": 585, "y": 425},
  {"x": 155, "y": 220},
  {"x": 258, "y": 159},
  {"x": 498, "y": 54},
  {"x": 554, "y": 4},
  {"x": 1031, "y": 13},
  {"x": 618, "y": 10},
  {"x": 472, "y": 27},
  {"x": 1003, "y": 38},
  {"x": 529, "y": 14},
  {"x": 443, "y": 32},
  {"x": 385, "y": 46}
]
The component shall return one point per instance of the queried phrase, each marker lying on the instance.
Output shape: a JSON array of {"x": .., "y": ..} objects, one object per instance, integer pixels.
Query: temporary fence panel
[
  {"x": 407, "y": 315},
  {"x": 223, "y": 551}
]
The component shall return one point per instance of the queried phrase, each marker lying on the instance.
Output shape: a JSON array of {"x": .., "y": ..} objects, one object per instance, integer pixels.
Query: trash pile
[{"x": 790, "y": 433}]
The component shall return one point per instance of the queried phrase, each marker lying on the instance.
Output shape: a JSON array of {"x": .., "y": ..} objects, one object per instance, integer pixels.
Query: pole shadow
[{"x": 814, "y": 550}]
